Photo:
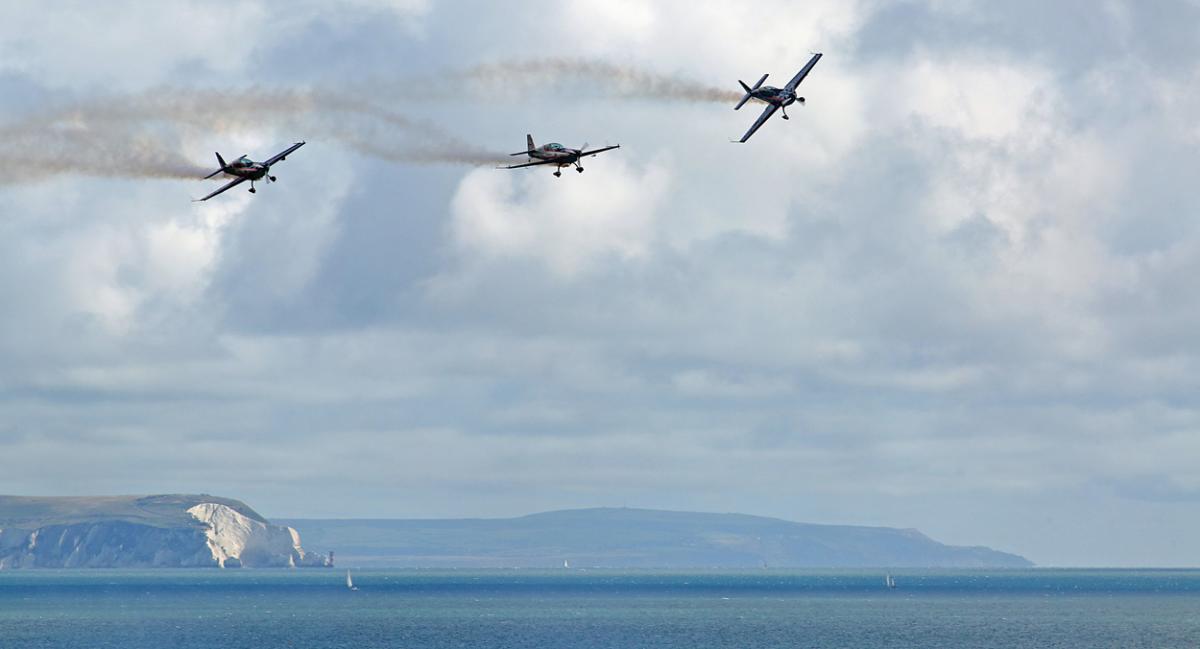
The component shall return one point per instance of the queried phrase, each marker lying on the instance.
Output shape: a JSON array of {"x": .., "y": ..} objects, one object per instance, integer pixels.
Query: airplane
[
  {"x": 246, "y": 169},
  {"x": 556, "y": 154},
  {"x": 776, "y": 98}
]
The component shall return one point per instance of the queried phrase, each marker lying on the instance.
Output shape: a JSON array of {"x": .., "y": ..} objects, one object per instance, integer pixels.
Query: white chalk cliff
[
  {"x": 236, "y": 538},
  {"x": 144, "y": 532}
]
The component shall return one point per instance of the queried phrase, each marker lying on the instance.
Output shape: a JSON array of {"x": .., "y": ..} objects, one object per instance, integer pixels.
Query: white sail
[{"x": 349, "y": 581}]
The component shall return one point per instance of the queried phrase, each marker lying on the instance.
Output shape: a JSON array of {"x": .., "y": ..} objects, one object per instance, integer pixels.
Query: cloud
[
  {"x": 566, "y": 224},
  {"x": 61, "y": 44},
  {"x": 957, "y": 281}
]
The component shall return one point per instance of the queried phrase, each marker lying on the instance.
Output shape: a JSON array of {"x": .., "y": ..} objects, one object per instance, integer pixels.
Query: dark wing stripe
[
  {"x": 803, "y": 72},
  {"x": 529, "y": 164},
  {"x": 279, "y": 156},
  {"x": 227, "y": 186},
  {"x": 595, "y": 151},
  {"x": 762, "y": 119}
]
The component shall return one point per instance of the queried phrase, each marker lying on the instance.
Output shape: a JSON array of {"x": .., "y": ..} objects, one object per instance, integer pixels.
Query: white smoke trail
[
  {"x": 591, "y": 78},
  {"x": 88, "y": 154},
  {"x": 40, "y": 148},
  {"x": 139, "y": 136}
]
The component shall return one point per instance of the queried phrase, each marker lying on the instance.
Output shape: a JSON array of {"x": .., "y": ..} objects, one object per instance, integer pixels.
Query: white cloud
[
  {"x": 569, "y": 223},
  {"x": 128, "y": 43},
  {"x": 131, "y": 44},
  {"x": 988, "y": 98},
  {"x": 958, "y": 276}
]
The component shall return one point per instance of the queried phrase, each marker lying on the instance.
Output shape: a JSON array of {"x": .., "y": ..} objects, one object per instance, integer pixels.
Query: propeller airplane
[
  {"x": 556, "y": 154},
  {"x": 244, "y": 169},
  {"x": 775, "y": 98}
]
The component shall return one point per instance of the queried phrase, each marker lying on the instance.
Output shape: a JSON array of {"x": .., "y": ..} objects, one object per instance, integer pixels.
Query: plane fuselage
[
  {"x": 775, "y": 96},
  {"x": 246, "y": 168},
  {"x": 557, "y": 153}
]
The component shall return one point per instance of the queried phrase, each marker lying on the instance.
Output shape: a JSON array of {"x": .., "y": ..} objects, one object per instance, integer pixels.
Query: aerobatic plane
[
  {"x": 556, "y": 154},
  {"x": 244, "y": 169},
  {"x": 775, "y": 98}
]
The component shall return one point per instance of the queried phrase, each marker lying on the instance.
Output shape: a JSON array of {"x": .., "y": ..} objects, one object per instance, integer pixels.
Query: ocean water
[{"x": 313, "y": 609}]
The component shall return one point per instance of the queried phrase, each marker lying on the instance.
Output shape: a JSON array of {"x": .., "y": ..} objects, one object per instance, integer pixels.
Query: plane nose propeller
[{"x": 579, "y": 158}]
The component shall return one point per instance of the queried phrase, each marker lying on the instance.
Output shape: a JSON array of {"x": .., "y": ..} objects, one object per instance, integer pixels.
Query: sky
[{"x": 955, "y": 292}]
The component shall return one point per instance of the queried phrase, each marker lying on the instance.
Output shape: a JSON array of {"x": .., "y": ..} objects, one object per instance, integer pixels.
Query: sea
[{"x": 585, "y": 609}]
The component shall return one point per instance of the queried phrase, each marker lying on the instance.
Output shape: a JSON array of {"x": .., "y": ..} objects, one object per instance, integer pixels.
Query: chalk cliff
[
  {"x": 143, "y": 532},
  {"x": 233, "y": 538}
]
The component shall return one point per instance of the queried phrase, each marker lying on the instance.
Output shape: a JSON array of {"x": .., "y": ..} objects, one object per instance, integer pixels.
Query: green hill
[
  {"x": 635, "y": 538},
  {"x": 155, "y": 511}
]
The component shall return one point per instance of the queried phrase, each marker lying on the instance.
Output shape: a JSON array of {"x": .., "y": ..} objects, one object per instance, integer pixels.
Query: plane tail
[
  {"x": 529, "y": 146},
  {"x": 749, "y": 91},
  {"x": 221, "y": 162}
]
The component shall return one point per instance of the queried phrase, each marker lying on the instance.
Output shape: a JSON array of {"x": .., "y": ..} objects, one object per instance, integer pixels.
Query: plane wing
[
  {"x": 529, "y": 164},
  {"x": 237, "y": 181},
  {"x": 283, "y": 155},
  {"x": 762, "y": 119},
  {"x": 791, "y": 85},
  {"x": 595, "y": 151}
]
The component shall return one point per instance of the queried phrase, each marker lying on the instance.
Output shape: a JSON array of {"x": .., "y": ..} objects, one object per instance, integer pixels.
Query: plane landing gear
[
  {"x": 272, "y": 178},
  {"x": 579, "y": 169},
  {"x": 252, "y": 190},
  {"x": 558, "y": 174}
]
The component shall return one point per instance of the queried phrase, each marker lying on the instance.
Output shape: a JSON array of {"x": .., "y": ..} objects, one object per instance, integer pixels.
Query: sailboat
[
  {"x": 566, "y": 564},
  {"x": 350, "y": 582},
  {"x": 889, "y": 581}
]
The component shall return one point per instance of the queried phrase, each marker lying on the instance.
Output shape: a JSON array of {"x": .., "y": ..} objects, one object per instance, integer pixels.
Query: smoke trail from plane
[
  {"x": 39, "y": 149},
  {"x": 591, "y": 77},
  {"x": 141, "y": 136},
  {"x": 44, "y": 157},
  {"x": 421, "y": 155},
  {"x": 423, "y": 142}
]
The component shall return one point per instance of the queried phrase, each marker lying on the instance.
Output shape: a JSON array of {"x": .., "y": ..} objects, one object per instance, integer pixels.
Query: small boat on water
[
  {"x": 889, "y": 581},
  {"x": 350, "y": 582}
]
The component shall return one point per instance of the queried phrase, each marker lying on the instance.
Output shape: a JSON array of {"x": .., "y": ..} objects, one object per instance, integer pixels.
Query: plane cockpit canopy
[{"x": 555, "y": 146}]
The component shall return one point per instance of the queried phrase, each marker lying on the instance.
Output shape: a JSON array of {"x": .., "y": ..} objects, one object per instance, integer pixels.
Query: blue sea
[{"x": 313, "y": 609}]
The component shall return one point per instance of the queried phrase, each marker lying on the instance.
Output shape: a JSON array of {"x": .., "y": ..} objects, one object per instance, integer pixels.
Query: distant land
[
  {"x": 186, "y": 530},
  {"x": 635, "y": 538},
  {"x": 164, "y": 531}
]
